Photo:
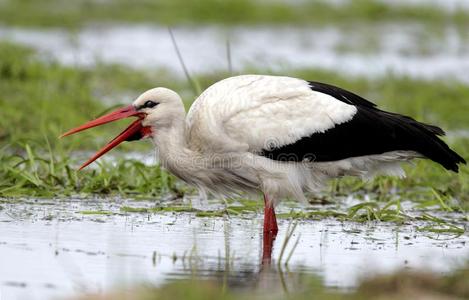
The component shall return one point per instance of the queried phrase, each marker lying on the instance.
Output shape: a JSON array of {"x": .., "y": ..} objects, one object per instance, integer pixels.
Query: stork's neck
[{"x": 173, "y": 151}]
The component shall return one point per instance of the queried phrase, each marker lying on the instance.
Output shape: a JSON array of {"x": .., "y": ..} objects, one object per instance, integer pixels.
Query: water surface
[{"x": 51, "y": 248}]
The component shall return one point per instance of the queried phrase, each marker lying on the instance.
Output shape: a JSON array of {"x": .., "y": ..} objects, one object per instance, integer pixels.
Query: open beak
[{"x": 135, "y": 131}]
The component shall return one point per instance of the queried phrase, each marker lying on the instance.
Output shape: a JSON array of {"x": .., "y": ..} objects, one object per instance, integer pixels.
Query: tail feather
[
  {"x": 434, "y": 129},
  {"x": 436, "y": 149},
  {"x": 424, "y": 139},
  {"x": 443, "y": 155}
]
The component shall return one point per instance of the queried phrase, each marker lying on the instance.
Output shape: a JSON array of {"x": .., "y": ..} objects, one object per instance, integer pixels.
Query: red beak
[{"x": 135, "y": 131}]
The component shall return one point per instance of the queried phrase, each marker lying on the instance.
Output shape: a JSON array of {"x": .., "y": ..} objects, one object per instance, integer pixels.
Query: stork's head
[{"x": 155, "y": 109}]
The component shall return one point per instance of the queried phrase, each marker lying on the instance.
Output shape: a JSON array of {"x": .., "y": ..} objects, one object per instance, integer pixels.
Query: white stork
[{"x": 280, "y": 136}]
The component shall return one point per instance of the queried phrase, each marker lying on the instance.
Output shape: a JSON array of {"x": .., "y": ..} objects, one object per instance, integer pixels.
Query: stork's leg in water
[
  {"x": 270, "y": 220},
  {"x": 270, "y": 230}
]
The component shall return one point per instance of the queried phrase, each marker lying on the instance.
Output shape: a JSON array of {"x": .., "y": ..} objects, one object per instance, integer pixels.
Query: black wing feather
[
  {"x": 370, "y": 131},
  {"x": 340, "y": 94}
]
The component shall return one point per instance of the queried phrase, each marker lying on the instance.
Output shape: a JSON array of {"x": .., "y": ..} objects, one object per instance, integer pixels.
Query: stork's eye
[{"x": 150, "y": 104}]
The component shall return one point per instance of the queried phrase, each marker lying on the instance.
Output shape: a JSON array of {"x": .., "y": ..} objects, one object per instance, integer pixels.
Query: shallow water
[
  {"x": 48, "y": 248},
  {"x": 409, "y": 49}
]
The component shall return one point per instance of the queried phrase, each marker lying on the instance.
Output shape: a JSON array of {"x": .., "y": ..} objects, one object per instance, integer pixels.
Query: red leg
[
  {"x": 270, "y": 230},
  {"x": 268, "y": 243},
  {"x": 270, "y": 220}
]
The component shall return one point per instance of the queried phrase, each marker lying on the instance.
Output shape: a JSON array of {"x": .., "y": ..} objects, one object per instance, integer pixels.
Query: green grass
[
  {"x": 62, "y": 13},
  {"x": 51, "y": 175}
]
